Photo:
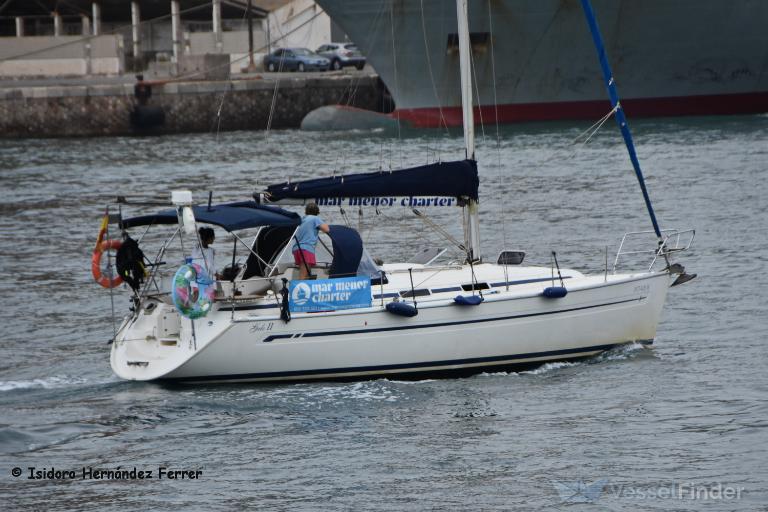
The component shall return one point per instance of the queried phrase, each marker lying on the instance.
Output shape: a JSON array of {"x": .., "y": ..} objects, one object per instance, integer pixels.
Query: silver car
[
  {"x": 295, "y": 59},
  {"x": 342, "y": 55}
]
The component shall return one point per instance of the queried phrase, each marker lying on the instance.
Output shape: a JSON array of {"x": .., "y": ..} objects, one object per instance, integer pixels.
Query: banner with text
[
  {"x": 408, "y": 202},
  {"x": 329, "y": 294}
]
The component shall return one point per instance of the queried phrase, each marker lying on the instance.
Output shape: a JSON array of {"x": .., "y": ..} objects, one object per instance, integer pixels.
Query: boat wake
[
  {"x": 549, "y": 368},
  {"x": 55, "y": 382},
  {"x": 621, "y": 353},
  {"x": 367, "y": 391}
]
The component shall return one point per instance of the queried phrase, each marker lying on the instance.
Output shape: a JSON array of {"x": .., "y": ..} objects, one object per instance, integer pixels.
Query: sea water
[{"x": 680, "y": 426}]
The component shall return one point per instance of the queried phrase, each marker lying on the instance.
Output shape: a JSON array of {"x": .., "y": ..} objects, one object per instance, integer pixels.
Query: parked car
[
  {"x": 295, "y": 59},
  {"x": 342, "y": 55}
]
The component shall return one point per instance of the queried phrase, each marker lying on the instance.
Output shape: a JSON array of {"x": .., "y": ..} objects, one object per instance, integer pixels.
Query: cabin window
[
  {"x": 443, "y": 290},
  {"x": 476, "y": 286},
  {"x": 415, "y": 293}
]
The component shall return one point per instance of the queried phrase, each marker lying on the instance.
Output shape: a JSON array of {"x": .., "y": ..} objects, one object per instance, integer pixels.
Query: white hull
[{"x": 512, "y": 328}]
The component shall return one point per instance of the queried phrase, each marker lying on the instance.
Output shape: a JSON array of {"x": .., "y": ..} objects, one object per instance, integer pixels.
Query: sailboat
[{"x": 356, "y": 319}]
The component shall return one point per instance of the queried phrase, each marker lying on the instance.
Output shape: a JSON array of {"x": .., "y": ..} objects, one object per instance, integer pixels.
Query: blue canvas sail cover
[
  {"x": 451, "y": 179},
  {"x": 231, "y": 216}
]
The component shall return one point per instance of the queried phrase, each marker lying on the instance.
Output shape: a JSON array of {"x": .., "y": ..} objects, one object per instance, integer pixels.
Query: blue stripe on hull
[{"x": 452, "y": 367}]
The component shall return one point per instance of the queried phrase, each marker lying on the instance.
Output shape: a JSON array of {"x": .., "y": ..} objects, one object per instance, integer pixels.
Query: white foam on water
[
  {"x": 47, "y": 383},
  {"x": 368, "y": 391},
  {"x": 410, "y": 382},
  {"x": 545, "y": 368},
  {"x": 549, "y": 367},
  {"x": 496, "y": 374},
  {"x": 620, "y": 353}
]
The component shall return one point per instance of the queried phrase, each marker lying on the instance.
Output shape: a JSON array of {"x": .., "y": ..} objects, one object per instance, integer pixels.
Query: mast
[
  {"x": 471, "y": 217},
  {"x": 621, "y": 120}
]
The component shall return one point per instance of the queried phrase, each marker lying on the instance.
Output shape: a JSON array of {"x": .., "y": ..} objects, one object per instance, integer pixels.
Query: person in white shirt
[{"x": 204, "y": 255}]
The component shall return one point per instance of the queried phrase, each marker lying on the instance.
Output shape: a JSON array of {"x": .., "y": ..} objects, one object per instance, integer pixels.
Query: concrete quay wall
[{"x": 102, "y": 109}]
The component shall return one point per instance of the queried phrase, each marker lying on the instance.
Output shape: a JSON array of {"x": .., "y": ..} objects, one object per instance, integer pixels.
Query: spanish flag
[{"x": 102, "y": 230}]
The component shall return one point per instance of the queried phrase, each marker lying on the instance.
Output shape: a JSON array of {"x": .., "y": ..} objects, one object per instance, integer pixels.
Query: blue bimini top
[{"x": 230, "y": 216}]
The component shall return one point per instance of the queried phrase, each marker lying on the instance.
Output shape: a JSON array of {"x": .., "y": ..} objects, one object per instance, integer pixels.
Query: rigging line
[
  {"x": 274, "y": 101},
  {"x": 598, "y": 128},
  {"x": 374, "y": 29},
  {"x": 394, "y": 66},
  {"x": 359, "y": 78},
  {"x": 466, "y": 227},
  {"x": 283, "y": 35},
  {"x": 477, "y": 92},
  {"x": 109, "y": 270},
  {"x": 351, "y": 90},
  {"x": 227, "y": 86},
  {"x": 218, "y": 112},
  {"x": 621, "y": 120},
  {"x": 474, "y": 279},
  {"x": 108, "y": 33},
  {"x": 42, "y": 5},
  {"x": 347, "y": 95},
  {"x": 359, "y": 219},
  {"x": 498, "y": 142},
  {"x": 439, "y": 229},
  {"x": 532, "y": 55},
  {"x": 74, "y": 7},
  {"x": 429, "y": 67},
  {"x": 592, "y": 130},
  {"x": 370, "y": 230},
  {"x": 431, "y": 276},
  {"x": 6, "y": 4},
  {"x": 391, "y": 218},
  {"x": 344, "y": 216},
  {"x": 571, "y": 147}
]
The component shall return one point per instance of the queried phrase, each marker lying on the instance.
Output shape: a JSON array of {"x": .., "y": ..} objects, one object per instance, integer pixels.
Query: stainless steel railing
[{"x": 673, "y": 241}]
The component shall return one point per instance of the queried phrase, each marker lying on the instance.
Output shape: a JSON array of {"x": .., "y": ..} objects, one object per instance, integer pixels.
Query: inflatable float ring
[{"x": 192, "y": 291}]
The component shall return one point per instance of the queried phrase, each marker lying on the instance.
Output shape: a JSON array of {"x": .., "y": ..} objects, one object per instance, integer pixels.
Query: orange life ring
[{"x": 103, "y": 280}]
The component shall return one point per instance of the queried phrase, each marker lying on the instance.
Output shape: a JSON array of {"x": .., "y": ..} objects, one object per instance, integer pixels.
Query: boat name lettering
[
  {"x": 643, "y": 288},
  {"x": 409, "y": 202},
  {"x": 262, "y": 326}
]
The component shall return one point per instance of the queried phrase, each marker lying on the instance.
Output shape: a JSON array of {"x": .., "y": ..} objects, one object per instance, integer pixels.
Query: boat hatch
[{"x": 511, "y": 257}]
